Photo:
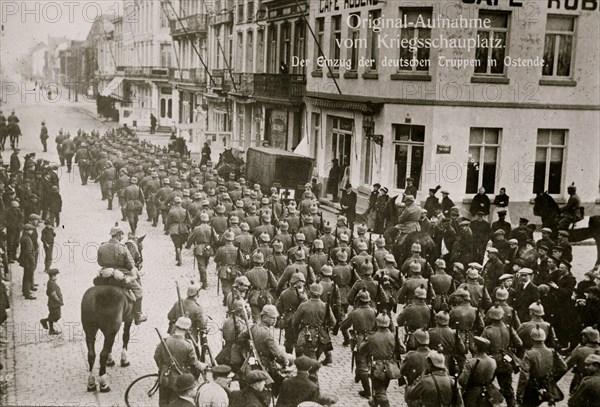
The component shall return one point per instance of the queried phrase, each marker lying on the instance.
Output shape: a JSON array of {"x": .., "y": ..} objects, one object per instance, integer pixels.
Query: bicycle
[{"x": 143, "y": 391}]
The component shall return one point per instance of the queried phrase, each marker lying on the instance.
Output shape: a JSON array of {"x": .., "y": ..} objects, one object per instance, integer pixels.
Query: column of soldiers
[{"x": 478, "y": 301}]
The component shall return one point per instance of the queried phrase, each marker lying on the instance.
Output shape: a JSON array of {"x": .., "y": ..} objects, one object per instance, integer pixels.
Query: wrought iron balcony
[
  {"x": 192, "y": 76},
  {"x": 145, "y": 71},
  {"x": 279, "y": 86},
  {"x": 221, "y": 18},
  {"x": 194, "y": 24}
]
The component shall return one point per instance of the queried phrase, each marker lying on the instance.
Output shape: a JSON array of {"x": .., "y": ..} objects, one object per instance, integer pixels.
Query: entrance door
[
  {"x": 341, "y": 140},
  {"x": 165, "y": 107}
]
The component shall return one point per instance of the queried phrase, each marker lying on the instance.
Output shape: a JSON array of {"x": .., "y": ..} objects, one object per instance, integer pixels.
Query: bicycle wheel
[{"x": 143, "y": 391}]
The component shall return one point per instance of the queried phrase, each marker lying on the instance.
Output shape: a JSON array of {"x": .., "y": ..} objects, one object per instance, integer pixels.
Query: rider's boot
[{"x": 137, "y": 309}]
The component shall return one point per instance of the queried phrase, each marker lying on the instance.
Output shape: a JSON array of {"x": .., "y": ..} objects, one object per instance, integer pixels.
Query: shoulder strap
[
  {"x": 437, "y": 389},
  {"x": 472, "y": 372}
]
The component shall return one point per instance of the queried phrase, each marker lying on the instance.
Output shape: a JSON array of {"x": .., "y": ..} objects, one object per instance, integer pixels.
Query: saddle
[{"x": 116, "y": 279}]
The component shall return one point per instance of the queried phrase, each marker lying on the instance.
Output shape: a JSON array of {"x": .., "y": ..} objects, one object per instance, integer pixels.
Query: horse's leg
[
  {"x": 597, "y": 265},
  {"x": 109, "y": 340},
  {"x": 126, "y": 335},
  {"x": 90, "y": 341}
]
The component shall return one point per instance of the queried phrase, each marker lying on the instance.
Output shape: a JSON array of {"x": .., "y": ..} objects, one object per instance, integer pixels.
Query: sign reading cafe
[{"x": 336, "y": 5}]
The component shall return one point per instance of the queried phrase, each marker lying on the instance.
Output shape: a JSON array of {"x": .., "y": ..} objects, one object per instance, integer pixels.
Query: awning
[
  {"x": 112, "y": 87},
  {"x": 356, "y": 105}
]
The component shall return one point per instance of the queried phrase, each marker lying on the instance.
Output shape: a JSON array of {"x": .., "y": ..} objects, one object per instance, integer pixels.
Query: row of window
[
  {"x": 483, "y": 158},
  {"x": 558, "y": 44}
]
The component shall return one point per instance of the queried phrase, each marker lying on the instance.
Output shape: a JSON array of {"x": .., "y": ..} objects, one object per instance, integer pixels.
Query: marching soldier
[
  {"x": 415, "y": 258},
  {"x": 415, "y": 280},
  {"x": 510, "y": 318},
  {"x": 312, "y": 321},
  {"x": 245, "y": 241},
  {"x": 203, "y": 239},
  {"x": 389, "y": 270},
  {"x": 133, "y": 198},
  {"x": 536, "y": 312},
  {"x": 590, "y": 344},
  {"x": 150, "y": 191},
  {"x": 446, "y": 341},
  {"x": 82, "y": 159},
  {"x": 299, "y": 266},
  {"x": 477, "y": 377},
  {"x": 503, "y": 339},
  {"x": 284, "y": 236},
  {"x": 177, "y": 226},
  {"x": 182, "y": 350},
  {"x": 318, "y": 259},
  {"x": 415, "y": 362},
  {"x": 343, "y": 246},
  {"x": 233, "y": 326},
  {"x": 442, "y": 284},
  {"x": 277, "y": 262},
  {"x": 43, "y": 136},
  {"x": 436, "y": 384},
  {"x": 415, "y": 316},
  {"x": 362, "y": 255},
  {"x": 587, "y": 394},
  {"x": 107, "y": 179},
  {"x": 219, "y": 221},
  {"x": 363, "y": 320},
  {"x": 121, "y": 183},
  {"x": 299, "y": 246},
  {"x": 331, "y": 294},
  {"x": 192, "y": 310},
  {"x": 161, "y": 200},
  {"x": 382, "y": 348},
  {"x": 262, "y": 285},
  {"x": 271, "y": 355},
  {"x": 252, "y": 218},
  {"x": 541, "y": 369},
  {"x": 344, "y": 276},
  {"x": 226, "y": 259},
  {"x": 366, "y": 281},
  {"x": 361, "y": 231},
  {"x": 465, "y": 318},
  {"x": 480, "y": 298},
  {"x": 240, "y": 291},
  {"x": 380, "y": 252},
  {"x": 266, "y": 227},
  {"x": 328, "y": 238},
  {"x": 263, "y": 245},
  {"x": 287, "y": 304}
]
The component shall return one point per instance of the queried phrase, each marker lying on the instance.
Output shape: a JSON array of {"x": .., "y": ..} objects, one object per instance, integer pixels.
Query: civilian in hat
[
  {"x": 501, "y": 204},
  {"x": 545, "y": 240},
  {"x": 348, "y": 205},
  {"x": 447, "y": 204},
  {"x": 432, "y": 203},
  {"x": 216, "y": 392},
  {"x": 380, "y": 215},
  {"x": 370, "y": 212},
  {"x": 563, "y": 242},
  {"x": 333, "y": 180},
  {"x": 583, "y": 286},
  {"x": 493, "y": 269},
  {"x": 500, "y": 243},
  {"x": 55, "y": 302},
  {"x": 480, "y": 202},
  {"x": 444, "y": 236},
  {"x": 410, "y": 189},
  {"x": 539, "y": 363},
  {"x": 562, "y": 284},
  {"x": 523, "y": 232},
  {"x": 183, "y": 352},
  {"x": 481, "y": 230},
  {"x": 54, "y": 200},
  {"x": 588, "y": 392},
  {"x": 526, "y": 294},
  {"x": 462, "y": 250},
  {"x": 253, "y": 394},
  {"x": 185, "y": 388},
  {"x": 299, "y": 388},
  {"x": 28, "y": 260},
  {"x": 502, "y": 223},
  {"x": 436, "y": 386},
  {"x": 529, "y": 254}
]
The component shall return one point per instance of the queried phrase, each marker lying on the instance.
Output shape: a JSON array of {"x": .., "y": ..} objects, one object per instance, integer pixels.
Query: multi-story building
[
  {"x": 189, "y": 28},
  {"x": 477, "y": 108},
  {"x": 100, "y": 61},
  {"x": 145, "y": 62}
]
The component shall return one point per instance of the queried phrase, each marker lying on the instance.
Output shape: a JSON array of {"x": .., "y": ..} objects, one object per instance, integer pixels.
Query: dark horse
[
  {"x": 549, "y": 211},
  {"x": 402, "y": 250},
  {"x": 105, "y": 308},
  {"x": 228, "y": 163}
]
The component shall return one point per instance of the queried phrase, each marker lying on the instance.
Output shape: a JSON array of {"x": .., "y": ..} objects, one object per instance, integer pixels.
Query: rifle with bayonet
[
  {"x": 335, "y": 293},
  {"x": 254, "y": 358},
  {"x": 352, "y": 348}
]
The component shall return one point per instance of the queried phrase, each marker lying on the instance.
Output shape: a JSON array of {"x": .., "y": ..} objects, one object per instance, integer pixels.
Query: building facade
[{"x": 455, "y": 116}]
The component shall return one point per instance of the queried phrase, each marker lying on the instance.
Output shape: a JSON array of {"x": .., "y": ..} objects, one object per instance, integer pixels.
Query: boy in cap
[{"x": 55, "y": 302}]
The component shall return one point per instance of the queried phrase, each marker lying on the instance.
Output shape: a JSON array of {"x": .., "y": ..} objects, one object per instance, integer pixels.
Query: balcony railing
[
  {"x": 244, "y": 83},
  {"x": 193, "y": 76},
  {"x": 192, "y": 24},
  {"x": 218, "y": 80},
  {"x": 221, "y": 18},
  {"x": 145, "y": 71},
  {"x": 279, "y": 86}
]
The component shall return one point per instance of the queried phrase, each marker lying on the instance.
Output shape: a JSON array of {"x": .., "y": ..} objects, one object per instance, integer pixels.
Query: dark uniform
[
  {"x": 312, "y": 321},
  {"x": 133, "y": 198},
  {"x": 287, "y": 304},
  {"x": 226, "y": 259},
  {"x": 202, "y": 238}
]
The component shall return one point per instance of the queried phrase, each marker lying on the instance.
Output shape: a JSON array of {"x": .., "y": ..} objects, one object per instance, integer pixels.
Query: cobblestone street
[{"x": 52, "y": 370}]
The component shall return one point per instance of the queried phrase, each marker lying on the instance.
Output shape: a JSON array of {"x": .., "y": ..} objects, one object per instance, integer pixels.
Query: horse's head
[
  {"x": 545, "y": 205},
  {"x": 136, "y": 247}
]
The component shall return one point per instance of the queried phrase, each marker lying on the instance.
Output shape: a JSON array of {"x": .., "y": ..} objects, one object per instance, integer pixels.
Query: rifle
[
  {"x": 353, "y": 349},
  {"x": 428, "y": 301},
  {"x": 398, "y": 348},
  {"x": 335, "y": 242},
  {"x": 174, "y": 364},
  {"x": 371, "y": 251},
  {"x": 321, "y": 222},
  {"x": 329, "y": 261},
  {"x": 335, "y": 294},
  {"x": 255, "y": 354},
  {"x": 183, "y": 314}
]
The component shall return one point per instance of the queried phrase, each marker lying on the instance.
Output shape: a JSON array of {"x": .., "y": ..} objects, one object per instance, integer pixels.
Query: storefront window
[
  {"x": 483, "y": 157},
  {"x": 549, "y": 156}
]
